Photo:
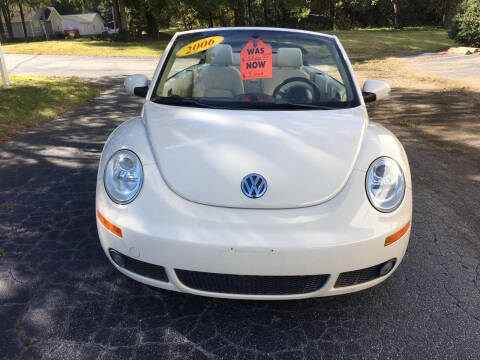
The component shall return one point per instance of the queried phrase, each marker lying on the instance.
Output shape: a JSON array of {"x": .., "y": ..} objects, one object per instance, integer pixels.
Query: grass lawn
[
  {"x": 372, "y": 43},
  {"x": 32, "y": 100},
  {"x": 382, "y": 43}
]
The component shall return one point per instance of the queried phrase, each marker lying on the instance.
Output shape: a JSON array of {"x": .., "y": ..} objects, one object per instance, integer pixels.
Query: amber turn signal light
[
  {"x": 394, "y": 237},
  {"x": 114, "y": 229}
]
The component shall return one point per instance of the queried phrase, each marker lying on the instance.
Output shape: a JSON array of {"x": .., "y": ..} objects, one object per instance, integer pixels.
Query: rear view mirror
[
  {"x": 375, "y": 90},
  {"x": 137, "y": 84}
]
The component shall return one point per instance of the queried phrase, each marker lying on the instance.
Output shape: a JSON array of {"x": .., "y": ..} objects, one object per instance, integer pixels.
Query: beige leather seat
[
  {"x": 218, "y": 78},
  {"x": 289, "y": 62}
]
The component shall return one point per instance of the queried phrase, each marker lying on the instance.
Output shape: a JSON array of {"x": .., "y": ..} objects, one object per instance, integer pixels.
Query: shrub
[
  {"x": 59, "y": 35},
  {"x": 465, "y": 28},
  {"x": 123, "y": 35},
  {"x": 118, "y": 36},
  {"x": 101, "y": 37}
]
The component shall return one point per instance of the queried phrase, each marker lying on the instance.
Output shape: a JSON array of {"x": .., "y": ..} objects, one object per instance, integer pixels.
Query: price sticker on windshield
[
  {"x": 256, "y": 61},
  {"x": 200, "y": 45}
]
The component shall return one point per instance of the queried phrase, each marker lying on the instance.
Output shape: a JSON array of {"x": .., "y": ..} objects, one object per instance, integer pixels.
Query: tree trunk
[
  {"x": 251, "y": 18},
  {"x": 277, "y": 13},
  {"x": 132, "y": 28},
  {"x": 284, "y": 13},
  {"x": 265, "y": 12},
  {"x": 6, "y": 17},
  {"x": 240, "y": 13},
  {"x": 210, "y": 19},
  {"x": 331, "y": 13},
  {"x": 121, "y": 17},
  {"x": 396, "y": 15},
  {"x": 116, "y": 16},
  {"x": 3, "y": 35},
  {"x": 25, "y": 34},
  {"x": 152, "y": 26},
  {"x": 123, "y": 14},
  {"x": 446, "y": 9}
]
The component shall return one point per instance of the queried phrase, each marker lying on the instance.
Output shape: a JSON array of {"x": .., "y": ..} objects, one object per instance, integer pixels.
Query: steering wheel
[{"x": 279, "y": 91}]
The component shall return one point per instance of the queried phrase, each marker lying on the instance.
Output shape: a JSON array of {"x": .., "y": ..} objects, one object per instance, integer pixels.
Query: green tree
[
  {"x": 466, "y": 23},
  {"x": 20, "y": 5},
  {"x": 3, "y": 35},
  {"x": 22, "y": 17},
  {"x": 6, "y": 11}
]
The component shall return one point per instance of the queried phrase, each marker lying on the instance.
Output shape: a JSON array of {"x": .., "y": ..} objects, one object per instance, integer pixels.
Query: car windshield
[{"x": 255, "y": 69}]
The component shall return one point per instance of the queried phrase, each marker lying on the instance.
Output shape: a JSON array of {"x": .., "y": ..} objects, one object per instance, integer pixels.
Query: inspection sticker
[
  {"x": 256, "y": 61},
  {"x": 200, "y": 45}
]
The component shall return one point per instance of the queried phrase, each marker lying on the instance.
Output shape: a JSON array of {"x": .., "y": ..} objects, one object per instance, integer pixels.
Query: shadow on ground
[{"x": 60, "y": 298}]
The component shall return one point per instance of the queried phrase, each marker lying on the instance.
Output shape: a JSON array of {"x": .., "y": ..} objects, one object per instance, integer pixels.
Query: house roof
[
  {"x": 29, "y": 13},
  {"x": 81, "y": 18},
  {"x": 52, "y": 10}
]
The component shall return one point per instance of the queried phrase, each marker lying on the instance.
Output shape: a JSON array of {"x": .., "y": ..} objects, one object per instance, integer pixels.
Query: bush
[
  {"x": 123, "y": 35},
  {"x": 101, "y": 37},
  {"x": 59, "y": 35},
  {"x": 465, "y": 27},
  {"x": 118, "y": 36}
]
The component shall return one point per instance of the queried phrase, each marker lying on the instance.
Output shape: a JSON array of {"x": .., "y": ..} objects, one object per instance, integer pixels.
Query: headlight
[
  {"x": 123, "y": 176},
  {"x": 385, "y": 184}
]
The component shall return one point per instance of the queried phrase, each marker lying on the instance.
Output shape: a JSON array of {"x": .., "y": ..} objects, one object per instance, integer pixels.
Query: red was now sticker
[{"x": 256, "y": 61}]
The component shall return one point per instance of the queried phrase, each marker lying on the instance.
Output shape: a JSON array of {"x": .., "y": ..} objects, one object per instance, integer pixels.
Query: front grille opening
[
  {"x": 364, "y": 275},
  {"x": 251, "y": 284},
  {"x": 155, "y": 272}
]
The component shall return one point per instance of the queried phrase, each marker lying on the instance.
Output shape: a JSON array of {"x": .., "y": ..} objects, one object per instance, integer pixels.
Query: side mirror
[
  {"x": 375, "y": 90},
  {"x": 136, "y": 84}
]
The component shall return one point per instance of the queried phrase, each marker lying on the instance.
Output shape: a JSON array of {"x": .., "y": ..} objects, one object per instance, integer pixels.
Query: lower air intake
[
  {"x": 151, "y": 271},
  {"x": 251, "y": 284},
  {"x": 364, "y": 275}
]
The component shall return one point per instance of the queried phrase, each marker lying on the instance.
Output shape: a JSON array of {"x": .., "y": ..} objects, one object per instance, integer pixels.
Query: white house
[
  {"x": 86, "y": 24},
  {"x": 38, "y": 22}
]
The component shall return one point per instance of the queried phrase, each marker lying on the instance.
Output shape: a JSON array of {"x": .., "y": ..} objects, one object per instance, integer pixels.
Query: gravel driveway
[{"x": 60, "y": 298}]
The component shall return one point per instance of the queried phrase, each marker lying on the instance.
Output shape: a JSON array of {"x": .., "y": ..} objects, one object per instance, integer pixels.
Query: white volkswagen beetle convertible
[{"x": 253, "y": 171}]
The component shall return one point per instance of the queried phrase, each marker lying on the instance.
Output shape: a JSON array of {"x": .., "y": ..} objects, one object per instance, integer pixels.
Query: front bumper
[{"x": 341, "y": 235}]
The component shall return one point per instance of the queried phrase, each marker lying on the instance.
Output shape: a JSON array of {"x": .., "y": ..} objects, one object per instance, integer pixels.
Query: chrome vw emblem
[{"x": 254, "y": 185}]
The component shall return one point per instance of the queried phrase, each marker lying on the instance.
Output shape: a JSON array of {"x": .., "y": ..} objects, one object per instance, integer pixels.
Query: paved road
[
  {"x": 454, "y": 67},
  {"x": 83, "y": 66},
  {"x": 430, "y": 64},
  {"x": 61, "y": 299}
]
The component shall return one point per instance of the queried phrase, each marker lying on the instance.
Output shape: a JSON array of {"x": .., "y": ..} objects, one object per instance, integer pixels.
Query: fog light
[
  {"x": 117, "y": 258},
  {"x": 387, "y": 267}
]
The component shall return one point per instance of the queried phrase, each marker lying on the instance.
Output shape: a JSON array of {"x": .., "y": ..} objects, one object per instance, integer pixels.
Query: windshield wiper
[
  {"x": 287, "y": 105},
  {"x": 177, "y": 100},
  {"x": 180, "y": 101}
]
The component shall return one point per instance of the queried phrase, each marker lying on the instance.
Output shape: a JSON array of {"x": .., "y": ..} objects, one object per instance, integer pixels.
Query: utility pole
[{"x": 3, "y": 67}]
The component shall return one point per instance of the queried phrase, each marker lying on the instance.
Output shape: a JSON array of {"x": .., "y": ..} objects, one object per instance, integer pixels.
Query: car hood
[{"x": 306, "y": 156}]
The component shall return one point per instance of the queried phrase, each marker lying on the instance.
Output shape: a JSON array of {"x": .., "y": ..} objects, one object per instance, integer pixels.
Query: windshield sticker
[
  {"x": 200, "y": 45},
  {"x": 256, "y": 61}
]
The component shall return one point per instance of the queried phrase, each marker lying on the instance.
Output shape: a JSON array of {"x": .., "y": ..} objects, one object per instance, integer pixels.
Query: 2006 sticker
[{"x": 200, "y": 45}]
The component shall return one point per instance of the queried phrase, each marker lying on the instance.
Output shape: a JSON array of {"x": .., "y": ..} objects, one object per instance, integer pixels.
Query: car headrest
[
  {"x": 289, "y": 57},
  {"x": 236, "y": 59},
  {"x": 220, "y": 54}
]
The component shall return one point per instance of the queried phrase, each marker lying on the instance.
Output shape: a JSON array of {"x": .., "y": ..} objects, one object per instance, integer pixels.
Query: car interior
[{"x": 216, "y": 74}]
